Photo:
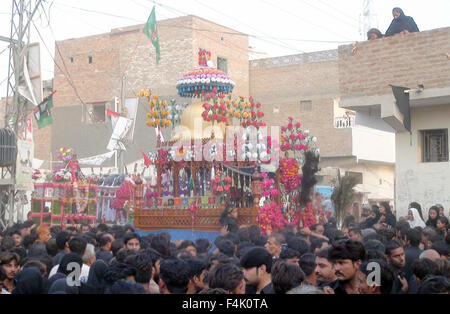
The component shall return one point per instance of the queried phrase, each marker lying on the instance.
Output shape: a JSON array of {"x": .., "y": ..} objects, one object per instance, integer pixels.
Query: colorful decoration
[
  {"x": 65, "y": 155},
  {"x": 200, "y": 81},
  {"x": 270, "y": 217},
  {"x": 161, "y": 113},
  {"x": 203, "y": 57},
  {"x": 261, "y": 151},
  {"x": 308, "y": 216},
  {"x": 223, "y": 109},
  {"x": 221, "y": 185},
  {"x": 123, "y": 194},
  {"x": 294, "y": 140},
  {"x": 290, "y": 178},
  {"x": 216, "y": 112}
]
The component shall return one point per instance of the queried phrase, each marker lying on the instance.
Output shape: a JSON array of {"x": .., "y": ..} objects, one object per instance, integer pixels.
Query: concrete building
[
  {"x": 421, "y": 63},
  {"x": 306, "y": 87}
]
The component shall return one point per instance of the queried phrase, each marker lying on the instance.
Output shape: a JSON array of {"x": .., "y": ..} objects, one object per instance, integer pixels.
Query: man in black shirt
[
  {"x": 403, "y": 283},
  {"x": 104, "y": 253},
  {"x": 257, "y": 264},
  {"x": 62, "y": 242},
  {"x": 347, "y": 257},
  {"x": 412, "y": 250}
]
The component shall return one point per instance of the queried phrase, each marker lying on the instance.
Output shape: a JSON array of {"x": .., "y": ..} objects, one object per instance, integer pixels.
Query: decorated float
[
  {"x": 67, "y": 197},
  {"x": 221, "y": 154}
]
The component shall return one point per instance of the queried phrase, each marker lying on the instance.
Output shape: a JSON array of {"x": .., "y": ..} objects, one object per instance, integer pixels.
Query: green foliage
[{"x": 342, "y": 196}]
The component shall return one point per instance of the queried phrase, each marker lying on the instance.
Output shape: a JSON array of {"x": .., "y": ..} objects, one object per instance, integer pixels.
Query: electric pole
[{"x": 22, "y": 13}]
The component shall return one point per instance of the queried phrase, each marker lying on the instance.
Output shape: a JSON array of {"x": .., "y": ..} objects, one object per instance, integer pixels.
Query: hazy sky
[{"x": 278, "y": 27}]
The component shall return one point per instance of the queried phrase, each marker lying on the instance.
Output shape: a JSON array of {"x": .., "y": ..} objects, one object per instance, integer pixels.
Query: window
[
  {"x": 71, "y": 59},
  {"x": 222, "y": 64},
  {"x": 357, "y": 175},
  {"x": 90, "y": 59},
  {"x": 305, "y": 105},
  {"x": 434, "y": 145},
  {"x": 95, "y": 113}
]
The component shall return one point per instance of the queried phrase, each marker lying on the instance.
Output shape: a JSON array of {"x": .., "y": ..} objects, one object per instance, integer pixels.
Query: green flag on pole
[
  {"x": 151, "y": 30},
  {"x": 42, "y": 113}
]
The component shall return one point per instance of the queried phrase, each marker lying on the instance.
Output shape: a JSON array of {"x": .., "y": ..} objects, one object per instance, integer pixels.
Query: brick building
[
  {"x": 421, "y": 63},
  {"x": 306, "y": 87},
  {"x": 97, "y": 63}
]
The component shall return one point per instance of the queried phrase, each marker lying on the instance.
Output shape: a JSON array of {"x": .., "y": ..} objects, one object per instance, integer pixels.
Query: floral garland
[
  {"x": 308, "y": 216},
  {"x": 270, "y": 216},
  {"x": 221, "y": 185},
  {"x": 290, "y": 177}
]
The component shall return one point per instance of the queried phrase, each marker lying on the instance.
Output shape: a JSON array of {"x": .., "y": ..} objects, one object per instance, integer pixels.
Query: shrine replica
[
  {"x": 67, "y": 198},
  {"x": 204, "y": 167}
]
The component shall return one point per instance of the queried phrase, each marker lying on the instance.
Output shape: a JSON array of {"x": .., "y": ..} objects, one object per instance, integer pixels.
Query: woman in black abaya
[{"x": 401, "y": 24}]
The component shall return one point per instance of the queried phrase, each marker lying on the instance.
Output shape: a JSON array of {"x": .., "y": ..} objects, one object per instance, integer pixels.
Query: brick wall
[
  {"x": 221, "y": 43},
  {"x": 408, "y": 60},
  {"x": 285, "y": 81}
]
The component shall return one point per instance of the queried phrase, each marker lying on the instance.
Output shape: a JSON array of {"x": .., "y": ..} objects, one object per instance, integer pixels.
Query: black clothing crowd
[{"x": 405, "y": 256}]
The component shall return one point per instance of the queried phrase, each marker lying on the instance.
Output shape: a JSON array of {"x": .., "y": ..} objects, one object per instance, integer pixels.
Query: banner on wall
[{"x": 24, "y": 172}]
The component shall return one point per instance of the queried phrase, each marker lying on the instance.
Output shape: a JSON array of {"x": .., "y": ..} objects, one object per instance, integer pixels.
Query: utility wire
[
  {"x": 199, "y": 29},
  {"x": 62, "y": 58},
  {"x": 339, "y": 11},
  {"x": 57, "y": 65},
  {"x": 329, "y": 14},
  {"x": 231, "y": 17},
  {"x": 300, "y": 18},
  {"x": 99, "y": 12},
  {"x": 221, "y": 13}
]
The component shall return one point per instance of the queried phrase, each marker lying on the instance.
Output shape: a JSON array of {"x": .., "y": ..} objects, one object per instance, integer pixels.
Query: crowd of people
[
  {"x": 411, "y": 255},
  {"x": 401, "y": 24}
]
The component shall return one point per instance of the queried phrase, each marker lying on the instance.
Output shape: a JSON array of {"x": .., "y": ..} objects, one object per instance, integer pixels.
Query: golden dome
[{"x": 192, "y": 117}]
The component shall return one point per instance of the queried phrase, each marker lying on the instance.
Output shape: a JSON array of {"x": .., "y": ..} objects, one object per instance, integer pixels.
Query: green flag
[
  {"x": 151, "y": 30},
  {"x": 42, "y": 113}
]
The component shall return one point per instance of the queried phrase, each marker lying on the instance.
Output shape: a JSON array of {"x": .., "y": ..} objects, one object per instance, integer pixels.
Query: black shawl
[
  {"x": 402, "y": 23},
  {"x": 96, "y": 283},
  {"x": 29, "y": 281}
]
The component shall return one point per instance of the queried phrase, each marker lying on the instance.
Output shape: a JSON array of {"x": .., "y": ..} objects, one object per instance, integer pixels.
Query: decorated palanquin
[
  {"x": 63, "y": 204},
  {"x": 68, "y": 198},
  {"x": 199, "y": 171},
  {"x": 191, "y": 192}
]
